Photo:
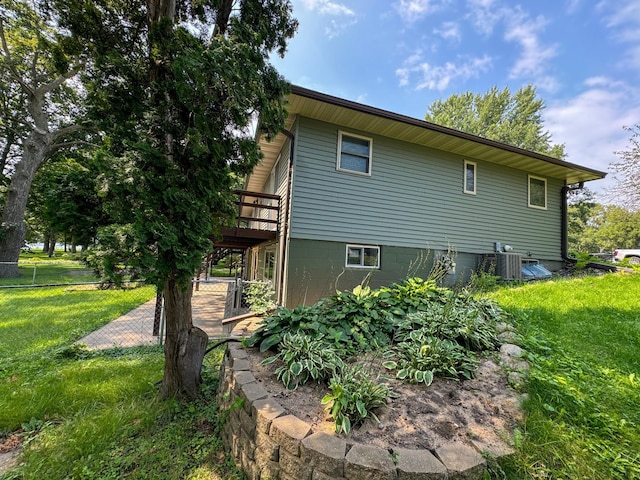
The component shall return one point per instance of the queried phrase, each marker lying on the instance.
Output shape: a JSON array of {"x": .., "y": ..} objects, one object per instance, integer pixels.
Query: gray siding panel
[{"x": 414, "y": 198}]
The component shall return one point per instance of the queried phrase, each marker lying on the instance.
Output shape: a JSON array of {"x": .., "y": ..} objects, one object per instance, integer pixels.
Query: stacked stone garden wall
[{"x": 268, "y": 443}]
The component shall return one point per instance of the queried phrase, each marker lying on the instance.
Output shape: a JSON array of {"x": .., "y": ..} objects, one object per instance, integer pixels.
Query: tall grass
[{"x": 583, "y": 408}]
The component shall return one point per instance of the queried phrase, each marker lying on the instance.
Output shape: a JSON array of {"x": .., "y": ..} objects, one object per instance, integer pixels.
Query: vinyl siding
[
  {"x": 414, "y": 198},
  {"x": 316, "y": 269}
]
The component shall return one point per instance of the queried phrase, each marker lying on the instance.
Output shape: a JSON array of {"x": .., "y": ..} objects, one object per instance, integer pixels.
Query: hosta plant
[
  {"x": 421, "y": 358},
  {"x": 468, "y": 321},
  {"x": 303, "y": 358},
  {"x": 354, "y": 394},
  {"x": 260, "y": 296}
]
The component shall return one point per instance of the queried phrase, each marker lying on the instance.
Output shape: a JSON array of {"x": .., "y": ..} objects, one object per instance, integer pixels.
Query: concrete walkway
[{"x": 136, "y": 327}]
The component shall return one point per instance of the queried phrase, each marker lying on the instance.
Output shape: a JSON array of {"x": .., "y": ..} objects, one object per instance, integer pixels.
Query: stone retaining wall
[{"x": 268, "y": 443}]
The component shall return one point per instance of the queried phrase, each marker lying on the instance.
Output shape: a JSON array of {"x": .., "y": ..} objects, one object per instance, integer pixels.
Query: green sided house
[{"x": 348, "y": 192}]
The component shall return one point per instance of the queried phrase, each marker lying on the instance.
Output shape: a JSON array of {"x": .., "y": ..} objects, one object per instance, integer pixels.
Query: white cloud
[
  {"x": 535, "y": 56},
  {"x": 622, "y": 17},
  {"x": 439, "y": 77},
  {"x": 590, "y": 124},
  {"x": 573, "y": 6},
  {"x": 345, "y": 17},
  {"x": 487, "y": 15},
  {"x": 335, "y": 28},
  {"x": 413, "y": 10},
  {"x": 327, "y": 7},
  {"x": 449, "y": 31},
  {"x": 484, "y": 15}
]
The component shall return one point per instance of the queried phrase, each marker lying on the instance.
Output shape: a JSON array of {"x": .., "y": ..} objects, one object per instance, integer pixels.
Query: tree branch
[
  {"x": 12, "y": 69},
  {"x": 55, "y": 83},
  {"x": 222, "y": 17},
  {"x": 72, "y": 143},
  {"x": 66, "y": 131}
]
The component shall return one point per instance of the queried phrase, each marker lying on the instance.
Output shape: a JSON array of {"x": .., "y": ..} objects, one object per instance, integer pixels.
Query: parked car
[{"x": 632, "y": 255}]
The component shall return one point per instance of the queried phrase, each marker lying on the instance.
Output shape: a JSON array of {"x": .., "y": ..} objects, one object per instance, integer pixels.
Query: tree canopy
[
  {"x": 515, "y": 119},
  {"x": 627, "y": 189},
  {"x": 64, "y": 200},
  {"x": 40, "y": 110}
]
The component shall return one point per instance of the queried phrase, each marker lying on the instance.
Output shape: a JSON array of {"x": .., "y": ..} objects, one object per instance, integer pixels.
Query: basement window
[{"x": 363, "y": 256}]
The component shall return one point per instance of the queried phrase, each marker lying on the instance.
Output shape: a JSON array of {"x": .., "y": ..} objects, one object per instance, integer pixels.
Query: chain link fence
[
  {"x": 212, "y": 301},
  {"x": 43, "y": 287}
]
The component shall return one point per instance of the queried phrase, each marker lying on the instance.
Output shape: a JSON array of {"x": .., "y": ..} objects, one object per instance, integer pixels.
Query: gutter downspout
[
  {"x": 285, "y": 228},
  {"x": 564, "y": 233}
]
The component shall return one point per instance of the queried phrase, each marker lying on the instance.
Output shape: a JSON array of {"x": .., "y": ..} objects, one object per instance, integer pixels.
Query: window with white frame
[
  {"x": 354, "y": 153},
  {"x": 537, "y": 192},
  {"x": 470, "y": 177},
  {"x": 269, "y": 263},
  {"x": 363, "y": 256}
]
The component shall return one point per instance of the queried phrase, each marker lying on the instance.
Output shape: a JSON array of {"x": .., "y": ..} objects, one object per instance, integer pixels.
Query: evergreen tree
[{"x": 174, "y": 85}]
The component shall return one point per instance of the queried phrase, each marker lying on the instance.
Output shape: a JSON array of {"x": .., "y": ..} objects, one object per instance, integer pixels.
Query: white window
[
  {"x": 354, "y": 153},
  {"x": 537, "y": 192},
  {"x": 363, "y": 256},
  {"x": 470, "y": 177}
]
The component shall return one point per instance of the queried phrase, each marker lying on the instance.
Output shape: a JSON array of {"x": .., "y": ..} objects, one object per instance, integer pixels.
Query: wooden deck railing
[{"x": 257, "y": 210}]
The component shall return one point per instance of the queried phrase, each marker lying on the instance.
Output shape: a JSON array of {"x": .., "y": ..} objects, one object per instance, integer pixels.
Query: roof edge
[{"x": 378, "y": 112}]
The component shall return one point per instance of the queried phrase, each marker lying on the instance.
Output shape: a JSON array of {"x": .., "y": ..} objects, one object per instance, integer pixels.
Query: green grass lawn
[
  {"x": 39, "y": 269},
  {"x": 583, "y": 408},
  {"x": 95, "y": 415}
]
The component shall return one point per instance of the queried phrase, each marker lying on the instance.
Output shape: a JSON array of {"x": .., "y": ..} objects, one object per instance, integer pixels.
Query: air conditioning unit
[{"x": 509, "y": 266}]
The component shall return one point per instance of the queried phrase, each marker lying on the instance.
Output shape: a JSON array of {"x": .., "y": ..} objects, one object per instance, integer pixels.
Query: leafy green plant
[
  {"x": 468, "y": 321},
  {"x": 304, "y": 358},
  {"x": 411, "y": 295},
  {"x": 421, "y": 357},
  {"x": 302, "y": 318},
  {"x": 483, "y": 281},
  {"x": 363, "y": 323},
  {"x": 354, "y": 395},
  {"x": 356, "y": 321},
  {"x": 259, "y": 296}
]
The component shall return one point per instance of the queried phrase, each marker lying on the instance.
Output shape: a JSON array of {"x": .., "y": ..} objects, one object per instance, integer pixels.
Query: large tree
[
  {"x": 64, "y": 200},
  {"x": 499, "y": 115},
  {"x": 581, "y": 208},
  {"x": 175, "y": 86},
  {"x": 627, "y": 189},
  {"x": 38, "y": 109},
  {"x": 611, "y": 227}
]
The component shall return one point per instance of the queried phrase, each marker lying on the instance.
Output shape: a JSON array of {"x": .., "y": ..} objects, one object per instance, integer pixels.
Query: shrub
[
  {"x": 468, "y": 321},
  {"x": 259, "y": 296}
]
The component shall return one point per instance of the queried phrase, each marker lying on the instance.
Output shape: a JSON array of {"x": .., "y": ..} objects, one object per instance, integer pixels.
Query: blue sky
[{"x": 583, "y": 57}]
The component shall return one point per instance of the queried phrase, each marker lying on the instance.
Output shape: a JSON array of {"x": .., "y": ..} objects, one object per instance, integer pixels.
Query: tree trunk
[
  {"x": 13, "y": 227},
  {"x": 52, "y": 245},
  {"x": 185, "y": 344},
  {"x": 184, "y": 347}
]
